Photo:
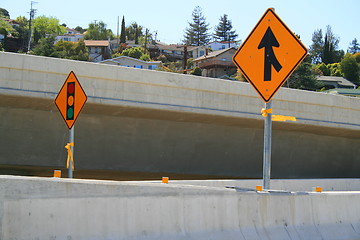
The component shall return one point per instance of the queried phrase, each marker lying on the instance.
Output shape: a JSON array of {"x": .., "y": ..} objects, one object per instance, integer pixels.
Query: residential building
[
  {"x": 71, "y": 35},
  {"x": 344, "y": 91},
  {"x": 336, "y": 82},
  {"x": 219, "y": 45},
  {"x": 217, "y": 64},
  {"x": 175, "y": 52},
  {"x": 99, "y": 50},
  {"x": 12, "y": 22},
  {"x": 126, "y": 61}
]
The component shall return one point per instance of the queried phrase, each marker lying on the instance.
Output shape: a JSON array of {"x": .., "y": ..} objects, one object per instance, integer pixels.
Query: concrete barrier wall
[
  {"x": 149, "y": 121},
  {"x": 145, "y": 89},
  {"x": 37, "y": 208}
]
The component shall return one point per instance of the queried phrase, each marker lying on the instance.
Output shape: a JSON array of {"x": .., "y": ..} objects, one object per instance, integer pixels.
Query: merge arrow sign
[
  {"x": 269, "y": 55},
  {"x": 268, "y": 42}
]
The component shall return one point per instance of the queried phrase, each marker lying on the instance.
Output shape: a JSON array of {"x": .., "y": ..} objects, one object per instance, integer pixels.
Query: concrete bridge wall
[
  {"x": 42, "y": 209},
  {"x": 149, "y": 121}
]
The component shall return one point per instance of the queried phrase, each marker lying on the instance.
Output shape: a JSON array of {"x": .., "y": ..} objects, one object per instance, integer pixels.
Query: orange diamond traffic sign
[
  {"x": 269, "y": 55},
  {"x": 70, "y": 99}
]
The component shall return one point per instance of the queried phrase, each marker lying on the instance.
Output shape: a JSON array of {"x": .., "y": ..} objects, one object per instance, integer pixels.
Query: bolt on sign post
[
  {"x": 267, "y": 58},
  {"x": 70, "y": 101}
]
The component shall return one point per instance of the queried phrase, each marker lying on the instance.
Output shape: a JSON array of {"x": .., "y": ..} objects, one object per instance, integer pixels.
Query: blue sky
[{"x": 170, "y": 18}]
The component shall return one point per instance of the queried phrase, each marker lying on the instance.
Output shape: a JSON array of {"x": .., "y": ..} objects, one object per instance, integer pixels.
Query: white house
[
  {"x": 219, "y": 45},
  {"x": 99, "y": 50},
  {"x": 125, "y": 61},
  {"x": 71, "y": 35}
]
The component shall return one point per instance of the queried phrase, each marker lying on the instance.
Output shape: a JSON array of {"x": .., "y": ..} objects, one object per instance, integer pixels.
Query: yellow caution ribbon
[
  {"x": 70, "y": 156},
  {"x": 265, "y": 112},
  {"x": 281, "y": 118}
]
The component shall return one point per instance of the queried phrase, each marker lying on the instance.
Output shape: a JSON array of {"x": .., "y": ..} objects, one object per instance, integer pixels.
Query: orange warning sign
[
  {"x": 269, "y": 55},
  {"x": 70, "y": 99}
]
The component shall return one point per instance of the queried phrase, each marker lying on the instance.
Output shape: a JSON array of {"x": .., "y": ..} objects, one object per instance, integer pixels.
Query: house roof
[
  {"x": 344, "y": 91},
  {"x": 339, "y": 80},
  {"x": 97, "y": 43},
  {"x": 11, "y": 21},
  {"x": 213, "y": 54}
]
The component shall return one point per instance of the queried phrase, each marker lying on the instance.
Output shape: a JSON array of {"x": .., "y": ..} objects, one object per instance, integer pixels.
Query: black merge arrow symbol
[{"x": 268, "y": 42}]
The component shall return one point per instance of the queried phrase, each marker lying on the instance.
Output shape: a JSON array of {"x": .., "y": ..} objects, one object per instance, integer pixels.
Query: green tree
[
  {"x": 304, "y": 77},
  {"x": 71, "y": 50},
  {"x": 145, "y": 57},
  {"x": 80, "y": 29},
  {"x": 331, "y": 54},
  {"x": 5, "y": 30},
  {"x": 123, "y": 31},
  {"x": 4, "y": 13},
  {"x": 350, "y": 68},
  {"x": 354, "y": 47},
  {"x": 45, "y": 47},
  {"x": 98, "y": 31},
  {"x": 197, "y": 33},
  {"x": 22, "y": 32},
  {"x": 134, "y": 32},
  {"x": 135, "y": 52},
  {"x": 223, "y": 30},
  {"x": 335, "y": 69},
  {"x": 324, "y": 69},
  {"x": 196, "y": 71},
  {"x": 316, "y": 48},
  {"x": 46, "y": 26}
]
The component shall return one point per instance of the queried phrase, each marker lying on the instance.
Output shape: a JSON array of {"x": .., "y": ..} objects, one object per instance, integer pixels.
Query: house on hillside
[
  {"x": 336, "y": 82},
  {"x": 217, "y": 64},
  {"x": 219, "y": 45},
  {"x": 126, "y": 61},
  {"x": 175, "y": 52},
  {"x": 99, "y": 50},
  {"x": 71, "y": 35},
  {"x": 12, "y": 22}
]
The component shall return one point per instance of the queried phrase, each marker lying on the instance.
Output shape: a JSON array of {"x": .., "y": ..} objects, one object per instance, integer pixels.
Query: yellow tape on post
[
  {"x": 70, "y": 156},
  {"x": 281, "y": 118},
  {"x": 265, "y": 112}
]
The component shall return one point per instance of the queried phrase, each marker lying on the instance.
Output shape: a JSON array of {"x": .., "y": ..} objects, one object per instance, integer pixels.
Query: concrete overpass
[{"x": 155, "y": 123}]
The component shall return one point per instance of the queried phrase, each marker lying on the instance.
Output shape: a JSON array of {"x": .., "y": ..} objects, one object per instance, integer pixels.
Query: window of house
[
  {"x": 223, "y": 46},
  {"x": 138, "y": 66},
  {"x": 152, "y": 67},
  {"x": 174, "y": 52},
  {"x": 96, "y": 50},
  {"x": 202, "y": 52},
  {"x": 224, "y": 59}
]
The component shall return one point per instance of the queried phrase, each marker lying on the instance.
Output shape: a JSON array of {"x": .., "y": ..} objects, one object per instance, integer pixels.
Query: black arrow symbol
[{"x": 268, "y": 42}]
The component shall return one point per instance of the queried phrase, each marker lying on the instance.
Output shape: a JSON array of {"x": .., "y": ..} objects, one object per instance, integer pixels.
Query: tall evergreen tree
[
  {"x": 223, "y": 30},
  {"x": 197, "y": 33},
  {"x": 331, "y": 54},
  {"x": 123, "y": 33},
  {"x": 316, "y": 48},
  {"x": 134, "y": 32},
  {"x": 354, "y": 47}
]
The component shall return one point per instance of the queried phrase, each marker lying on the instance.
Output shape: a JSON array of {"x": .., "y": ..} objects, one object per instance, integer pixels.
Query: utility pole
[
  {"x": 146, "y": 39},
  {"x": 32, "y": 14},
  {"x": 185, "y": 59},
  {"x": 118, "y": 36}
]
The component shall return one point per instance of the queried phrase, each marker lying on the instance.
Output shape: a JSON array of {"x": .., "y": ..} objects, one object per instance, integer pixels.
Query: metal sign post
[
  {"x": 71, "y": 140},
  {"x": 267, "y": 147},
  {"x": 70, "y": 100}
]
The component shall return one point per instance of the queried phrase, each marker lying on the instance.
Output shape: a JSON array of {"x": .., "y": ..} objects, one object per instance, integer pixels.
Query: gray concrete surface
[
  {"x": 45, "y": 208},
  {"x": 149, "y": 121}
]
